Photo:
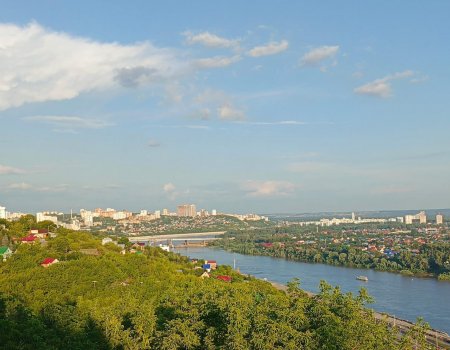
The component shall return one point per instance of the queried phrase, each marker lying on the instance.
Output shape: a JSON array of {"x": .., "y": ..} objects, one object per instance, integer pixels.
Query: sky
[{"x": 239, "y": 106}]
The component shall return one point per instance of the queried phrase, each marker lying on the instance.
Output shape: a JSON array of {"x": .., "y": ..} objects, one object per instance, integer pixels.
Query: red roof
[
  {"x": 47, "y": 261},
  {"x": 224, "y": 278},
  {"x": 211, "y": 262},
  {"x": 29, "y": 238},
  {"x": 267, "y": 245}
]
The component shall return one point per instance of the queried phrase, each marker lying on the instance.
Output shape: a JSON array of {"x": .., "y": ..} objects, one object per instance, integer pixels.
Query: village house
[
  {"x": 5, "y": 253},
  {"x": 212, "y": 264},
  {"x": 49, "y": 261},
  {"x": 30, "y": 239},
  {"x": 224, "y": 278}
]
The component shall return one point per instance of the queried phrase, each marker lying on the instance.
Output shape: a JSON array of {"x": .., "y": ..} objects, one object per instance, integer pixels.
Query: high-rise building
[
  {"x": 422, "y": 217},
  {"x": 353, "y": 216},
  {"x": 439, "y": 219},
  {"x": 214, "y": 212},
  {"x": 165, "y": 212},
  {"x": 186, "y": 210},
  {"x": 2, "y": 213},
  {"x": 157, "y": 214}
]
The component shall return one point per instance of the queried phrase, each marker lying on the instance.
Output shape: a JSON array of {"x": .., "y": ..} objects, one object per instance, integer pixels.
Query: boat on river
[{"x": 362, "y": 278}]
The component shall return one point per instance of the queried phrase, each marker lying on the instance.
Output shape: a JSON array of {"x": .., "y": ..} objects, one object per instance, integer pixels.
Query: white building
[
  {"x": 157, "y": 214},
  {"x": 44, "y": 217},
  {"x": 2, "y": 213},
  {"x": 119, "y": 215},
  {"x": 214, "y": 212},
  {"x": 439, "y": 219},
  {"x": 143, "y": 213},
  {"x": 421, "y": 217}
]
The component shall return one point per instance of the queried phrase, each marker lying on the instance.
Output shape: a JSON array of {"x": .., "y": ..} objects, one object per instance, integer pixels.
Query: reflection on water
[{"x": 401, "y": 296}]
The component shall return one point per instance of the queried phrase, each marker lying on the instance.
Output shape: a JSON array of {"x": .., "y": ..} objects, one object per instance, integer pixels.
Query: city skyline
[{"x": 309, "y": 108}]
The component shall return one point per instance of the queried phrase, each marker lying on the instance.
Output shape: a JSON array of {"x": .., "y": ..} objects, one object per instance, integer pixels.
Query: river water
[{"x": 397, "y": 295}]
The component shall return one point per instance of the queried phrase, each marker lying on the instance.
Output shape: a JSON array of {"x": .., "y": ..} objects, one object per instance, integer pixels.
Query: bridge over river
[{"x": 190, "y": 239}]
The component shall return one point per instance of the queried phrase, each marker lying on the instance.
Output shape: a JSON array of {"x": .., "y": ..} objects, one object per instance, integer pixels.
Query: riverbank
[
  {"x": 434, "y": 337},
  {"x": 405, "y": 297},
  {"x": 406, "y": 273}
]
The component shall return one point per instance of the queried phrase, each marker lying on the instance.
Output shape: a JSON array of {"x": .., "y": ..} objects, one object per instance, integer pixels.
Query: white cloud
[
  {"x": 228, "y": 112},
  {"x": 382, "y": 87},
  {"x": 216, "y": 62},
  {"x": 271, "y": 48},
  {"x": 9, "y": 170},
  {"x": 153, "y": 143},
  {"x": 69, "y": 122},
  {"x": 319, "y": 54},
  {"x": 37, "y": 64},
  {"x": 219, "y": 101},
  {"x": 170, "y": 190},
  {"x": 23, "y": 186},
  {"x": 20, "y": 186},
  {"x": 282, "y": 122},
  {"x": 391, "y": 190},
  {"x": 309, "y": 167},
  {"x": 268, "y": 188},
  {"x": 209, "y": 40}
]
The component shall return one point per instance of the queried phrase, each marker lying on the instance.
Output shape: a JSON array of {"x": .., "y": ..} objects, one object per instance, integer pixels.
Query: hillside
[{"x": 156, "y": 300}]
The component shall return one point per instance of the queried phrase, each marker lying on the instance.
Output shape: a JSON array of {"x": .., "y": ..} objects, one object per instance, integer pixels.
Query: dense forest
[
  {"x": 156, "y": 300},
  {"x": 431, "y": 259}
]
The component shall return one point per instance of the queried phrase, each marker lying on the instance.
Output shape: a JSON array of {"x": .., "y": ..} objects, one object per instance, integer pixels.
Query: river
[{"x": 397, "y": 295}]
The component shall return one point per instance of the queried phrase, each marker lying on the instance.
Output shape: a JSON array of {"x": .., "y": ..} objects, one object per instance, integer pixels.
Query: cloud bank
[{"x": 37, "y": 65}]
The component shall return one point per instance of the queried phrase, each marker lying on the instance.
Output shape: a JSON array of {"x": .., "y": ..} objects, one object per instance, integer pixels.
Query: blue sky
[{"x": 286, "y": 106}]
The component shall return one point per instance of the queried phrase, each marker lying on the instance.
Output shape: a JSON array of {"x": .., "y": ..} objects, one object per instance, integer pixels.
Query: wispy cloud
[
  {"x": 228, "y": 112},
  {"x": 282, "y": 122},
  {"x": 216, "y": 62},
  {"x": 23, "y": 186},
  {"x": 20, "y": 186},
  {"x": 169, "y": 189},
  {"x": 63, "y": 123},
  {"x": 382, "y": 87},
  {"x": 153, "y": 143},
  {"x": 268, "y": 188},
  {"x": 319, "y": 54},
  {"x": 271, "y": 48},
  {"x": 391, "y": 190},
  {"x": 9, "y": 170},
  {"x": 210, "y": 40}
]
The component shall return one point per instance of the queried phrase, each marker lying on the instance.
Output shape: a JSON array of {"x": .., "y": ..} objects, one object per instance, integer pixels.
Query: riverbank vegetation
[
  {"x": 409, "y": 253},
  {"x": 156, "y": 300}
]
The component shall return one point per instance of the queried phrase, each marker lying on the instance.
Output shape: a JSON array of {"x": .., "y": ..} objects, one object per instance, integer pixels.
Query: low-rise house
[
  {"x": 212, "y": 264},
  {"x": 204, "y": 275},
  {"x": 5, "y": 253},
  {"x": 107, "y": 240},
  {"x": 164, "y": 247},
  {"x": 224, "y": 278},
  {"x": 49, "y": 261},
  {"x": 41, "y": 233},
  {"x": 30, "y": 239}
]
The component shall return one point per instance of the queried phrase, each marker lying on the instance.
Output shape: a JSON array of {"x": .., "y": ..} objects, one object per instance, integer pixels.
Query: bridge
[{"x": 198, "y": 239}]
